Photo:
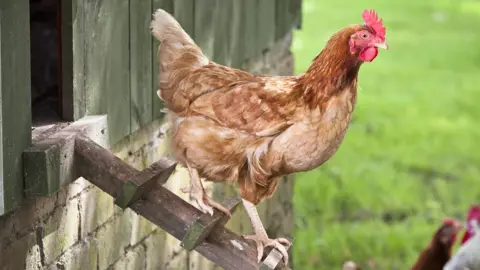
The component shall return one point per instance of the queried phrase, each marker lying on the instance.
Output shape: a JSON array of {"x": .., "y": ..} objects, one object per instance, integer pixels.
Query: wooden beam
[
  {"x": 184, "y": 13},
  {"x": 107, "y": 63},
  {"x": 99, "y": 166},
  {"x": 163, "y": 208},
  {"x": 204, "y": 26},
  {"x": 15, "y": 99},
  {"x": 266, "y": 24},
  {"x": 171, "y": 213},
  {"x": 49, "y": 163},
  {"x": 141, "y": 72},
  {"x": 203, "y": 226},
  {"x": 222, "y": 16},
  {"x": 146, "y": 180}
]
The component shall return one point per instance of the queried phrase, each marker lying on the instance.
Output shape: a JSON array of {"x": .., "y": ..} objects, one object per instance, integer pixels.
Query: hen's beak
[{"x": 382, "y": 45}]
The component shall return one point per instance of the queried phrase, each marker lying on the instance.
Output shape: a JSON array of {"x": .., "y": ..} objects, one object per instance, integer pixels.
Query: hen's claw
[
  {"x": 204, "y": 202},
  {"x": 280, "y": 244}
]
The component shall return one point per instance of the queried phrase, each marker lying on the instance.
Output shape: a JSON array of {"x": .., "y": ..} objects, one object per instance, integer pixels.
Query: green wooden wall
[
  {"x": 109, "y": 63},
  {"x": 113, "y": 55},
  {"x": 15, "y": 110}
]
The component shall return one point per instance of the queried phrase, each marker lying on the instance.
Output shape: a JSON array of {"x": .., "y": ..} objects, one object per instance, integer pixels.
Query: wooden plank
[
  {"x": 243, "y": 32},
  {"x": 184, "y": 12},
  {"x": 140, "y": 64},
  {"x": 251, "y": 26},
  {"x": 203, "y": 226},
  {"x": 157, "y": 104},
  {"x": 15, "y": 95},
  {"x": 146, "y": 180},
  {"x": 171, "y": 213},
  {"x": 73, "y": 54},
  {"x": 49, "y": 163},
  {"x": 221, "y": 35},
  {"x": 66, "y": 67},
  {"x": 266, "y": 24},
  {"x": 282, "y": 19},
  {"x": 204, "y": 26},
  {"x": 99, "y": 166},
  {"x": 41, "y": 168},
  {"x": 107, "y": 72},
  {"x": 237, "y": 35},
  {"x": 296, "y": 13}
]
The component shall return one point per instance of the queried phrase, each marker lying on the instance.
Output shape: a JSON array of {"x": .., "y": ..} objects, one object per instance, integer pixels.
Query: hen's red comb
[
  {"x": 450, "y": 221},
  {"x": 370, "y": 17},
  {"x": 473, "y": 214}
]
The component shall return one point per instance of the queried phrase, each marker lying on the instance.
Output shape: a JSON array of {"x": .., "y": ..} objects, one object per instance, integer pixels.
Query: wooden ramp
[{"x": 142, "y": 191}]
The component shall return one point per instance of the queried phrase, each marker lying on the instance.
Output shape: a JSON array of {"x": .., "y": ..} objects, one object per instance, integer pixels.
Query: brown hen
[
  {"x": 438, "y": 251},
  {"x": 230, "y": 125}
]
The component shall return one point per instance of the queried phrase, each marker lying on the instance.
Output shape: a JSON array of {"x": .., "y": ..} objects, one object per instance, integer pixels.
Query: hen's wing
[
  {"x": 186, "y": 83},
  {"x": 262, "y": 106}
]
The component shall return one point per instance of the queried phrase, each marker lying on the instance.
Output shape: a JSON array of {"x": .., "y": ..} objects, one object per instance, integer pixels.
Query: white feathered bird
[{"x": 467, "y": 256}]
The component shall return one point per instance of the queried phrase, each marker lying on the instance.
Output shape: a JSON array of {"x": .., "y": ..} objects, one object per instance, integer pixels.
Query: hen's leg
[
  {"x": 197, "y": 192},
  {"x": 260, "y": 237}
]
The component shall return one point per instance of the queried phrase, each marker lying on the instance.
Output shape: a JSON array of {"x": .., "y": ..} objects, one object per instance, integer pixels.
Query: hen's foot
[
  {"x": 204, "y": 202},
  {"x": 280, "y": 244}
]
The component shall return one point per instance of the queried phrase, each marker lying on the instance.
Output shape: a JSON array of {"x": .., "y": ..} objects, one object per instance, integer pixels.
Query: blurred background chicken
[
  {"x": 438, "y": 251},
  {"x": 467, "y": 256},
  {"x": 230, "y": 125}
]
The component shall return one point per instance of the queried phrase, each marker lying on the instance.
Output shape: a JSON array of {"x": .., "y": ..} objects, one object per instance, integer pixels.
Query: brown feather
[{"x": 438, "y": 251}]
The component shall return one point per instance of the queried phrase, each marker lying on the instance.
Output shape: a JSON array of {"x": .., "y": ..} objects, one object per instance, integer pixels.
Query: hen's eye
[{"x": 364, "y": 35}]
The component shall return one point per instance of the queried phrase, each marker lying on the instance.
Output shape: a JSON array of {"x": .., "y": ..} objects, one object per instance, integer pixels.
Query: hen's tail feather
[
  {"x": 176, "y": 53},
  {"x": 176, "y": 44},
  {"x": 166, "y": 29}
]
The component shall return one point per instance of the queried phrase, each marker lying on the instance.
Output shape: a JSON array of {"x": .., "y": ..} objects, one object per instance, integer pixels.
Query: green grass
[{"x": 412, "y": 154}]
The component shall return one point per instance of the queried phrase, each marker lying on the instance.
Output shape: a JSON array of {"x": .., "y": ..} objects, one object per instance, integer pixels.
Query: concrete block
[
  {"x": 77, "y": 187},
  {"x": 113, "y": 237},
  {"x": 175, "y": 257},
  {"x": 24, "y": 218},
  {"x": 96, "y": 207},
  {"x": 155, "y": 250},
  {"x": 134, "y": 259},
  {"x": 61, "y": 231},
  {"x": 141, "y": 228},
  {"x": 82, "y": 256},
  {"x": 33, "y": 261}
]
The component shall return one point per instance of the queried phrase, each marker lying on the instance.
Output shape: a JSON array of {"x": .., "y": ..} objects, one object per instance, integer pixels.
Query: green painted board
[
  {"x": 251, "y": 26},
  {"x": 73, "y": 65},
  {"x": 15, "y": 93},
  {"x": 222, "y": 18},
  {"x": 204, "y": 26},
  {"x": 237, "y": 34},
  {"x": 282, "y": 18},
  {"x": 42, "y": 164},
  {"x": 296, "y": 13},
  {"x": 140, "y": 64},
  {"x": 266, "y": 24},
  {"x": 107, "y": 67},
  {"x": 184, "y": 12},
  {"x": 243, "y": 33},
  {"x": 157, "y": 104}
]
